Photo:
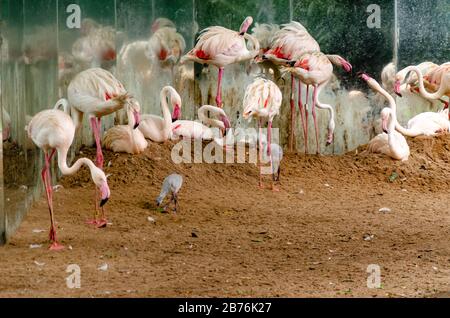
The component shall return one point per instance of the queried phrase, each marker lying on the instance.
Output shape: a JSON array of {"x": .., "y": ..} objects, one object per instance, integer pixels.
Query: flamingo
[
  {"x": 289, "y": 44},
  {"x": 390, "y": 142},
  {"x": 6, "y": 125},
  {"x": 262, "y": 99},
  {"x": 275, "y": 159},
  {"x": 423, "y": 124},
  {"x": 159, "y": 129},
  {"x": 438, "y": 79},
  {"x": 165, "y": 47},
  {"x": 172, "y": 184},
  {"x": 315, "y": 69},
  {"x": 53, "y": 131},
  {"x": 220, "y": 47},
  {"x": 198, "y": 130},
  {"x": 264, "y": 33},
  {"x": 97, "y": 93},
  {"x": 124, "y": 138}
]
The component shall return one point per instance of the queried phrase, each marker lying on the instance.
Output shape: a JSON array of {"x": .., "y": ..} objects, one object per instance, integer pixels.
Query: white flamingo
[
  {"x": 190, "y": 129},
  {"x": 53, "y": 131},
  {"x": 97, "y": 93},
  {"x": 220, "y": 47},
  {"x": 426, "y": 124},
  {"x": 171, "y": 184},
  {"x": 157, "y": 128},
  {"x": 390, "y": 142},
  {"x": 262, "y": 100},
  {"x": 124, "y": 138},
  {"x": 438, "y": 79}
]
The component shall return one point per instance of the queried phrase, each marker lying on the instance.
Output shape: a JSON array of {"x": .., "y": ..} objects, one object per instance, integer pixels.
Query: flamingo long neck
[
  {"x": 393, "y": 106},
  {"x": 254, "y": 52},
  {"x": 392, "y": 141},
  {"x": 209, "y": 121},
  {"x": 64, "y": 103},
  {"x": 325, "y": 106},
  {"x": 65, "y": 169},
  {"x": 166, "y": 112},
  {"x": 436, "y": 95}
]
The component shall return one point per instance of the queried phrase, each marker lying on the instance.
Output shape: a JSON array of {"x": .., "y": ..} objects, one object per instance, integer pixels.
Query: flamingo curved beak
[
  {"x": 176, "y": 113},
  {"x": 104, "y": 190},
  {"x": 137, "y": 119},
  {"x": 397, "y": 88}
]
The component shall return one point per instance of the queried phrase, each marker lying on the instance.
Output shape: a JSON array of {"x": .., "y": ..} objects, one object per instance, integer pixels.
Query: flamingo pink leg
[
  {"x": 260, "y": 150},
  {"x": 292, "y": 135},
  {"x": 302, "y": 115},
  {"x": 96, "y": 125},
  {"x": 55, "y": 246},
  {"x": 306, "y": 119},
  {"x": 315, "y": 119},
  {"x": 219, "y": 88}
]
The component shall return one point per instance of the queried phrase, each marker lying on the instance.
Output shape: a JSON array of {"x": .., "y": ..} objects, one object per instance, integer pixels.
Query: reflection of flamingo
[
  {"x": 159, "y": 129},
  {"x": 124, "y": 138},
  {"x": 220, "y": 47},
  {"x": 262, "y": 99},
  {"x": 96, "y": 92},
  {"x": 189, "y": 129},
  {"x": 53, "y": 130},
  {"x": 6, "y": 125},
  {"x": 427, "y": 123},
  {"x": 315, "y": 69},
  {"x": 438, "y": 80}
]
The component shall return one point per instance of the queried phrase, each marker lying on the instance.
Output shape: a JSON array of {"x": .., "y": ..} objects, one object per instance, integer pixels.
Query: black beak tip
[
  {"x": 103, "y": 202},
  {"x": 328, "y": 143},
  {"x": 398, "y": 94},
  {"x": 291, "y": 63},
  {"x": 136, "y": 126},
  {"x": 173, "y": 120},
  {"x": 385, "y": 131}
]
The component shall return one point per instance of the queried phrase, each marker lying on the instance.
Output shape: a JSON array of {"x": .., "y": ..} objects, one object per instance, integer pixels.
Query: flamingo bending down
[
  {"x": 438, "y": 79},
  {"x": 97, "y": 93},
  {"x": 262, "y": 99},
  {"x": 124, "y": 138},
  {"x": 53, "y": 130},
  {"x": 189, "y": 129},
  {"x": 264, "y": 33},
  {"x": 427, "y": 123},
  {"x": 159, "y": 129},
  {"x": 220, "y": 47},
  {"x": 173, "y": 185},
  {"x": 315, "y": 69}
]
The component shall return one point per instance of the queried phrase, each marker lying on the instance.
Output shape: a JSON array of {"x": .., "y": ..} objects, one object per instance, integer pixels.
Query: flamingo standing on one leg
[
  {"x": 220, "y": 47},
  {"x": 97, "y": 93},
  {"x": 262, "y": 99},
  {"x": 53, "y": 131},
  {"x": 159, "y": 129},
  {"x": 315, "y": 69}
]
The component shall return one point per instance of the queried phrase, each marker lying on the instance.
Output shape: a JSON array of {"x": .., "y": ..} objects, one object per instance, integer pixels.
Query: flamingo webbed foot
[{"x": 55, "y": 246}]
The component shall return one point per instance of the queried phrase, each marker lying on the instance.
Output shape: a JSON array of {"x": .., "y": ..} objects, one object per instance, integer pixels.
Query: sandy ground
[{"x": 316, "y": 237}]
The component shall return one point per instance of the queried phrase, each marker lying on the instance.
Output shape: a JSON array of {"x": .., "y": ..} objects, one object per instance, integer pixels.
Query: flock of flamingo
[{"x": 288, "y": 49}]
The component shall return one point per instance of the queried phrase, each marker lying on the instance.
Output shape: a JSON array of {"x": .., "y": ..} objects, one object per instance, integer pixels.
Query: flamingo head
[
  {"x": 226, "y": 122},
  {"x": 99, "y": 178},
  {"x": 397, "y": 84},
  {"x": 330, "y": 135},
  {"x": 134, "y": 109},
  {"x": 370, "y": 81},
  {"x": 175, "y": 100},
  {"x": 345, "y": 64},
  {"x": 245, "y": 25},
  {"x": 385, "y": 113}
]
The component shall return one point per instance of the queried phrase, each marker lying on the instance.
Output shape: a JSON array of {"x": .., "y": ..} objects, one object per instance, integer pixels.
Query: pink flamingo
[
  {"x": 289, "y": 44},
  {"x": 53, "y": 131},
  {"x": 315, "y": 69},
  {"x": 220, "y": 47},
  {"x": 97, "y": 93},
  {"x": 262, "y": 99}
]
